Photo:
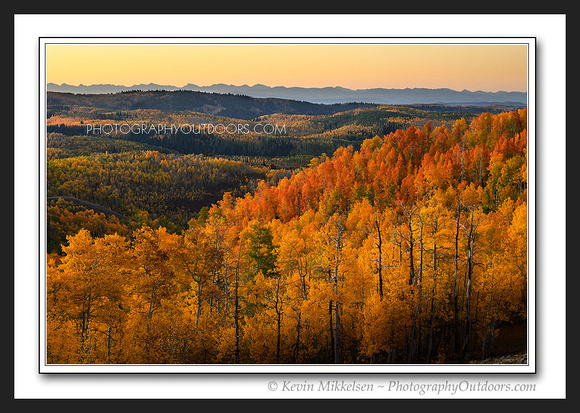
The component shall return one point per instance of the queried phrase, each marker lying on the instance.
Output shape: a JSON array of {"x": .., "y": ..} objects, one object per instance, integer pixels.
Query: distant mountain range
[{"x": 325, "y": 95}]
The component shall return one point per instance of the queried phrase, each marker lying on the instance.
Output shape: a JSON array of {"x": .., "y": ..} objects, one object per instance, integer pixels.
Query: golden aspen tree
[
  {"x": 91, "y": 292},
  {"x": 154, "y": 281}
]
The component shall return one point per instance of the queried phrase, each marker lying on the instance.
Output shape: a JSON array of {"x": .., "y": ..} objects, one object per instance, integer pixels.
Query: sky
[{"x": 485, "y": 67}]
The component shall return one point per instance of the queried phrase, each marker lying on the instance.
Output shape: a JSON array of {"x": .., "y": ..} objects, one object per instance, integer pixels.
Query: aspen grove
[{"x": 411, "y": 249}]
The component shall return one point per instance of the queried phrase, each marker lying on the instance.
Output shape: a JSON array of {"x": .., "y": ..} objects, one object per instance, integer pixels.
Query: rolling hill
[{"x": 234, "y": 106}]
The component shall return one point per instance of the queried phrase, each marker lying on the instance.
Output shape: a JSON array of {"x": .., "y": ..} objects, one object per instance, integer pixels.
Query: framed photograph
[{"x": 287, "y": 205}]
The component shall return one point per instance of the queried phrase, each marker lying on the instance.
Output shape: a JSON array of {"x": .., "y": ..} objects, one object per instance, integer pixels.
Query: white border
[{"x": 550, "y": 32}]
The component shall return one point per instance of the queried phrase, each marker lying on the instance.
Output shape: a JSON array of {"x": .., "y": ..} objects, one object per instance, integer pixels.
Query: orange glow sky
[{"x": 472, "y": 67}]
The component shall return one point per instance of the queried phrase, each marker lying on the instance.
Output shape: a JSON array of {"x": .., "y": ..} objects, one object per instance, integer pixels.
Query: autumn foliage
[{"x": 411, "y": 249}]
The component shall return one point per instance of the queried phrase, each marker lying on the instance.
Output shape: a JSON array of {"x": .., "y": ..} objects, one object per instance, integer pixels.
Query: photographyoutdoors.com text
[{"x": 185, "y": 129}]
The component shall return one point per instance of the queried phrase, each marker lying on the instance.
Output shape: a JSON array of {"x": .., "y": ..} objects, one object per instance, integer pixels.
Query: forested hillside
[
  {"x": 230, "y": 105},
  {"x": 410, "y": 247},
  {"x": 142, "y": 187},
  {"x": 302, "y": 130}
]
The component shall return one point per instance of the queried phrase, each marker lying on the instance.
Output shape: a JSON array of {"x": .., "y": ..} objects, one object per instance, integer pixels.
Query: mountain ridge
[
  {"x": 230, "y": 105},
  {"x": 320, "y": 95}
]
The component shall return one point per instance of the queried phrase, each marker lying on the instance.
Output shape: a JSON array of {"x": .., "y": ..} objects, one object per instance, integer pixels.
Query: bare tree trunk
[
  {"x": 331, "y": 329},
  {"x": 380, "y": 253},
  {"x": 297, "y": 345},
  {"x": 337, "y": 334},
  {"x": 470, "y": 251},
  {"x": 149, "y": 317},
  {"x": 109, "y": 343},
  {"x": 411, "y": 257},
  {"x": 237, "y": 309},
  {"x": 226, "y": 283},
  {"x": 278, "y": 308},
  {"x": 419, "y": 281},
  {"x": 198, "y": 312},
  {"x": 334, "y": 279},
  {"x": 455, "y": 291},
  {"x": 433, "y": 295},
  {"x": 411, "y": 242}
]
